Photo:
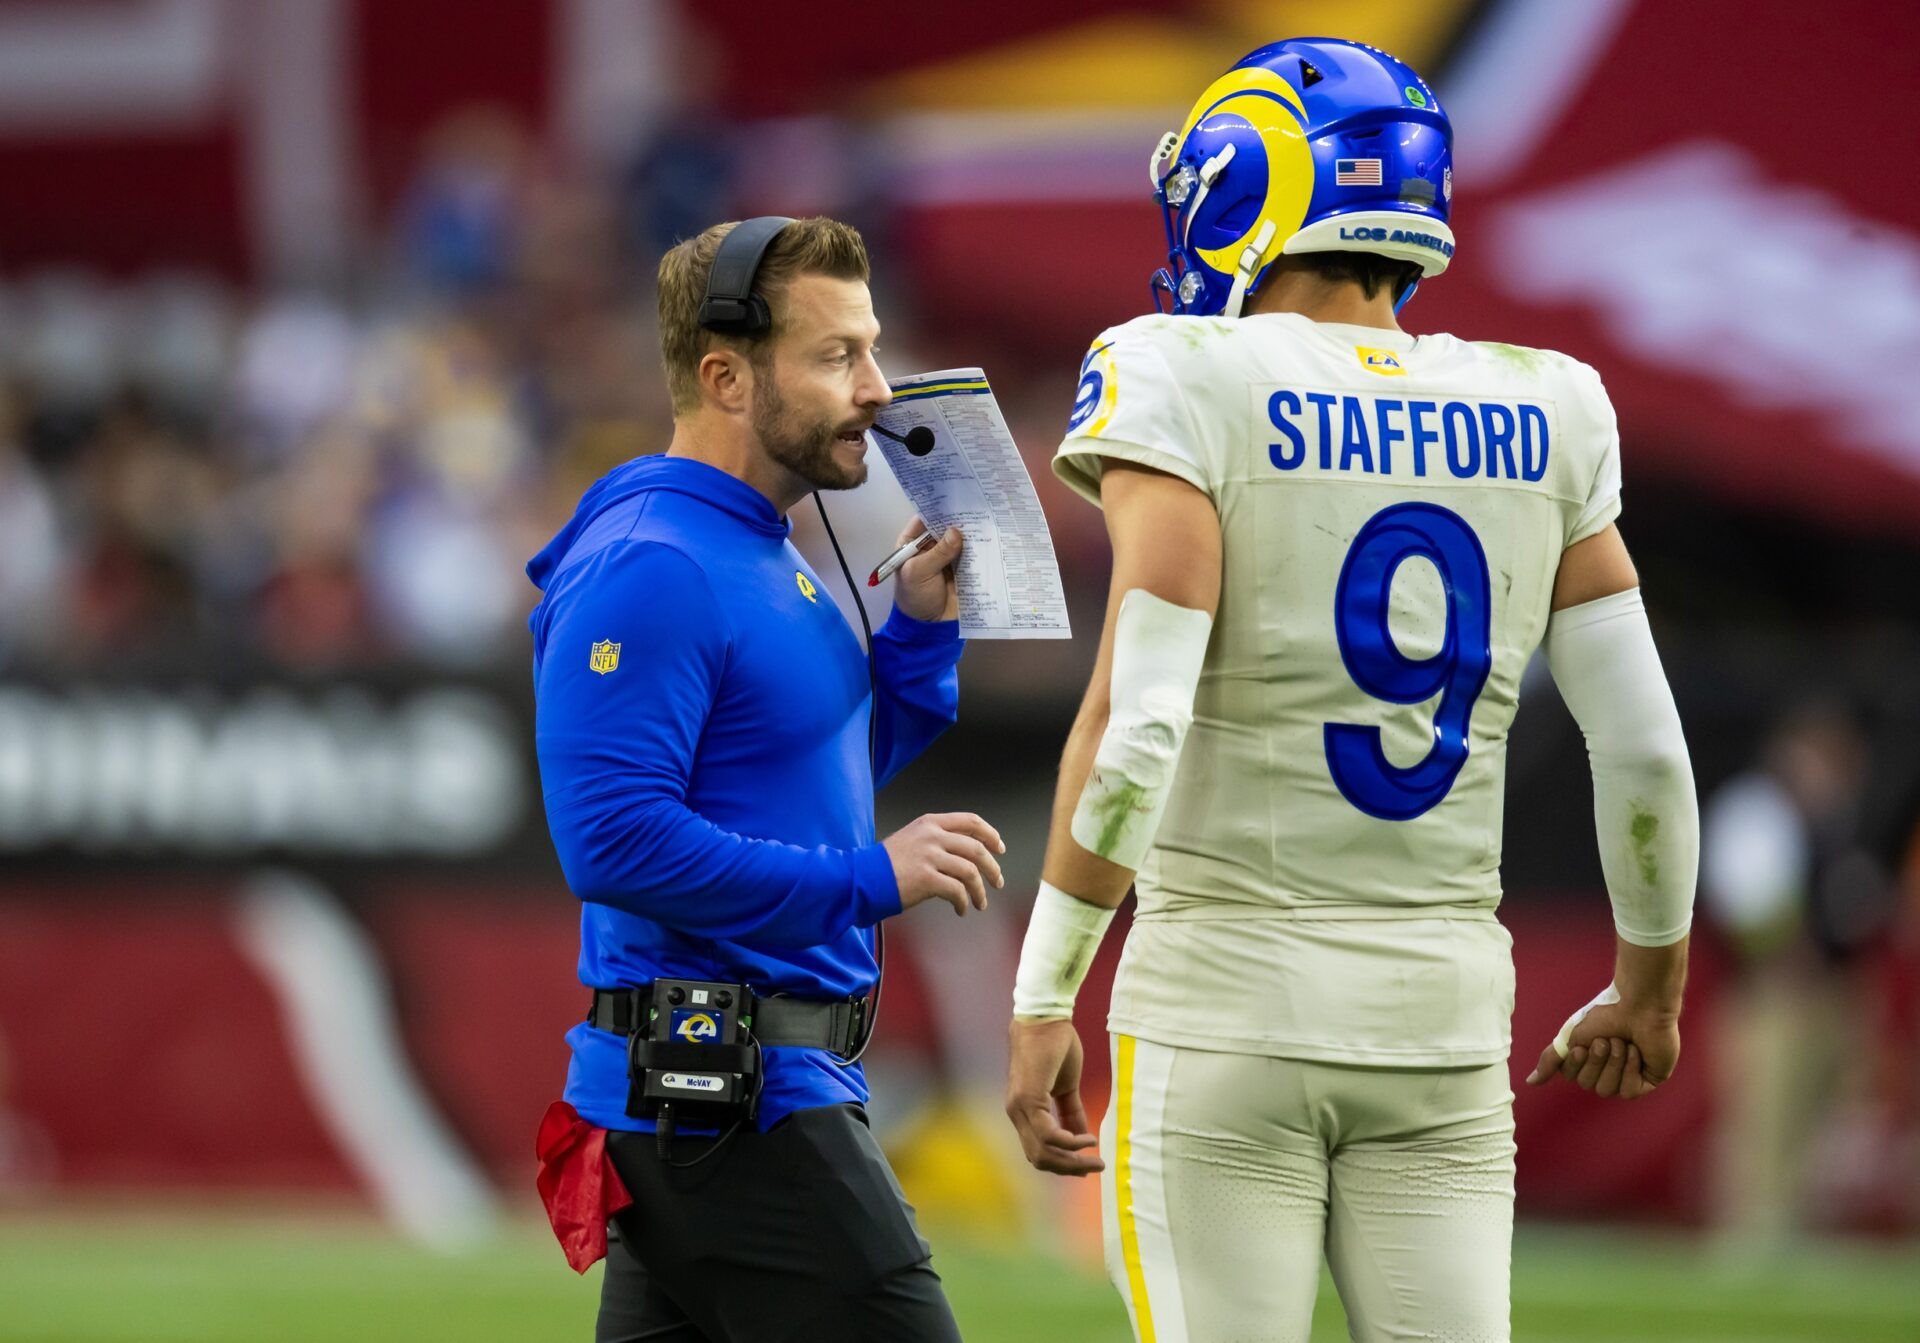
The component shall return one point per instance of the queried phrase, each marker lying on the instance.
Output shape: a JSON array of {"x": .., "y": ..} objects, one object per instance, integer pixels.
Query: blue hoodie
[{"x": 701, "y": 724}]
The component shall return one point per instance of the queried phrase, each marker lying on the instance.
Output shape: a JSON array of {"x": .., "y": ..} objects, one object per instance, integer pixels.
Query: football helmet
[{"x": 1310, "y": 145}]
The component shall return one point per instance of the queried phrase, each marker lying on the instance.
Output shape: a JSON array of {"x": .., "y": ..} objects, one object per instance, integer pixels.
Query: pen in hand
[{"x": 890, "y": 565}]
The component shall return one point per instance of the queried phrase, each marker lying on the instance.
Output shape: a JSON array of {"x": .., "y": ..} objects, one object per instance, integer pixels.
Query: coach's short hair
[{"x": 816, "y": 246}]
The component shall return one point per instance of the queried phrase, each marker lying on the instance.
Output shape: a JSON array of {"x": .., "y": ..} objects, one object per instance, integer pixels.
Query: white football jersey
[{"x": 1393, "y": 509}]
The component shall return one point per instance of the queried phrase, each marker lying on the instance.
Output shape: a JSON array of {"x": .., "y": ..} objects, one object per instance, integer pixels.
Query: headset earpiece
[{"x": 730, "y": 306}]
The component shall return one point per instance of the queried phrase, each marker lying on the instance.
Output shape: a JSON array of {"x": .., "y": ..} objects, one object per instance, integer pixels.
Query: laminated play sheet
[{"x": 948, "y": 445}]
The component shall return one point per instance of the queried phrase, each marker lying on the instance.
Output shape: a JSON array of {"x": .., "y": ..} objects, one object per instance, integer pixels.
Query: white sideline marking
[
  {"x": 346, "y": 1044},
  {"x": 1506, "y": 91}
]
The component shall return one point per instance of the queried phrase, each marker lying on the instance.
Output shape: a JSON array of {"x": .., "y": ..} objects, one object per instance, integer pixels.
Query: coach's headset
[{"x": 731, "y": 308}]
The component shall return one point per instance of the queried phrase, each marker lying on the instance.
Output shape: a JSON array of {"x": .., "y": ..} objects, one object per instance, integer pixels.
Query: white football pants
[{"x": 1228, "y": 1175}]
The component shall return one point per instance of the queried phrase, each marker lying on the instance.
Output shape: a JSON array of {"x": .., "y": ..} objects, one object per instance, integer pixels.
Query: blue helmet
[{"x": 1311, "y": 145}]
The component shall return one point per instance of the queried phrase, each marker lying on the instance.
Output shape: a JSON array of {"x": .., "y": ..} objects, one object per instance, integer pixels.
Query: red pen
[{"x": 899, "y": 557}]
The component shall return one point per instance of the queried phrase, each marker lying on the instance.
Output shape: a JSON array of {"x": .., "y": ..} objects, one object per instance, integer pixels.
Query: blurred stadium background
[{"x": 316, "y": 316}]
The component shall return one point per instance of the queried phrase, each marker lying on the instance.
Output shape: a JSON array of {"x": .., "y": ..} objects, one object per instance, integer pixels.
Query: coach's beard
[{"x": 804, "y": 448}]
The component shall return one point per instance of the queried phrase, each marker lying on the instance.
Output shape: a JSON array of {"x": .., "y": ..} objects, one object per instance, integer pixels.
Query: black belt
[{"x": 805, "y": 1022}]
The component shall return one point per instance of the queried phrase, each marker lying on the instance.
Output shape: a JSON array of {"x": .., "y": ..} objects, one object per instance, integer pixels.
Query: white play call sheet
[{"x": 948, "y": 445}]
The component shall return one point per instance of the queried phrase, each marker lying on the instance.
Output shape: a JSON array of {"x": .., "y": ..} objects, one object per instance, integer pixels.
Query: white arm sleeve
[
  {"x": 1602, "y": 658},
  {"x": 1158, "y": 649}
]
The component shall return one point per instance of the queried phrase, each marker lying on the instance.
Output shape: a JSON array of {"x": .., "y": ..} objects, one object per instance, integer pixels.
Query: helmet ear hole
[{"x": 1239, "y": 217}]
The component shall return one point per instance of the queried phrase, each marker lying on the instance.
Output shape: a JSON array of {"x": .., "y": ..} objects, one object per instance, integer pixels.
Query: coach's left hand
[{"x": 924, "y": 587}]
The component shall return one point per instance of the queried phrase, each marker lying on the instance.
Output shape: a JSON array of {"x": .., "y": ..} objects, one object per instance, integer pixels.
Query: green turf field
[{"x": 114, "y": 1277}]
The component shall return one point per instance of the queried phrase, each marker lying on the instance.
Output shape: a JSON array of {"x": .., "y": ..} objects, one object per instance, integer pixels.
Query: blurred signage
[
  {"x": 335, "y": 771},
  {"x": 1749, "y": 289},
  {"x": 1649, "y": 248},
  {"x": 1630, "y": 192}
]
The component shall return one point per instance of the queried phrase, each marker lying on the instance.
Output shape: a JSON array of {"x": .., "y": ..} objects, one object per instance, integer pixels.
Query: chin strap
[{"x": 1244, "y": 272}]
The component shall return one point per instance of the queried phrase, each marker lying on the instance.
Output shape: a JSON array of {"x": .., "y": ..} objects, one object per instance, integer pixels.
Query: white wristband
[
  {"x": 1607, "y": 997},
  {"x": 1062, "y": 937}
]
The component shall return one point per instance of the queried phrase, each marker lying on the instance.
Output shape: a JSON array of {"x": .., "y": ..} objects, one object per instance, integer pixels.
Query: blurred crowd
[
  {"x": 331, "y": 477},
  {"x": 324, "y": 477}
]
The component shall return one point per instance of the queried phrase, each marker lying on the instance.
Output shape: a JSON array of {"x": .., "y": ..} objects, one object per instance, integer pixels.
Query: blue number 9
[{"x": 1457, "y": 673}]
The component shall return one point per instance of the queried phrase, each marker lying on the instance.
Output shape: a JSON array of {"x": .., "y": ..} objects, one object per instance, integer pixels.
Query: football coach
[{"x": 710, "y": 734}]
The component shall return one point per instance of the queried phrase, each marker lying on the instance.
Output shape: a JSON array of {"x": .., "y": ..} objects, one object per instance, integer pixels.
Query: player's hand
[
  {"x": 951, "y": 857},
  {"x": 923, "y": 588},
  {"x": 1043, "y": 1098},
  {"x": 1618, "y": 1049}
]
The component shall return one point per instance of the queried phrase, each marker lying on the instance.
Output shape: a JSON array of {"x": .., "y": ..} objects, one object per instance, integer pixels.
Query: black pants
[{"x": 794, "y": 1235}]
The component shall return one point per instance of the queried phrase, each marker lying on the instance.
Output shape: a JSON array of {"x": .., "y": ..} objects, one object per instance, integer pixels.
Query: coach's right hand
[{"x": 948, "y": 857}]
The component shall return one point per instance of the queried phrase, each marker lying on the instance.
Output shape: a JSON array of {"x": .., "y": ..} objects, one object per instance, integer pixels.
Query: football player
[{"x": 1336, "y": 546}]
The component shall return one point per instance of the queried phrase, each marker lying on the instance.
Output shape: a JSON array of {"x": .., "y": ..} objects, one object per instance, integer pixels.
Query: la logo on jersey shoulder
[
  {"x": 605, "y": 656},
  {"x": 1093, "y": 400},
  {"x": 1384, "y": 362}
]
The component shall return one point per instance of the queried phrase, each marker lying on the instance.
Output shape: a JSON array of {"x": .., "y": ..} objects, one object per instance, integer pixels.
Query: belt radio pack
[
  {"x": 693, "y": 1046},
  {"x": 693, "y": 1059}
]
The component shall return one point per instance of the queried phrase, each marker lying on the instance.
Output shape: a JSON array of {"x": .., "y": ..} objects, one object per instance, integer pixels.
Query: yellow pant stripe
[{"x": 1123, "y": 1189}]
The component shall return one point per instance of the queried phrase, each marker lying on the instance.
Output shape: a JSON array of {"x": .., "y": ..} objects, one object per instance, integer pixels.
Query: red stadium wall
[{"x": 142, "y": 1052}]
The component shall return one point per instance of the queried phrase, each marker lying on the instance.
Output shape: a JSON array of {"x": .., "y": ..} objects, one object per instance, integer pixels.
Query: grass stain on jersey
[
  {"x": 1200, "y": 332},
  {"x": 1524, "y": 358},
  {"x": 1643, "y": 830},
  {"x": 1114, "y": 811}
]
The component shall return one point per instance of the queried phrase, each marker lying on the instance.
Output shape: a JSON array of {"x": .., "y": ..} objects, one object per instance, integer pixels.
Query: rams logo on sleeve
[{"x": 1093, "y": 399}]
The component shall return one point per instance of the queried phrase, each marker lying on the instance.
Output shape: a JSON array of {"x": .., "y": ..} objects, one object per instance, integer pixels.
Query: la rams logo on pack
[
  {"x": 604, "y": 657},
  {"x": 696, "y": 1028},
  {"x": 1384, "y": 362},
  {"x": 807, "y": 589}
]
